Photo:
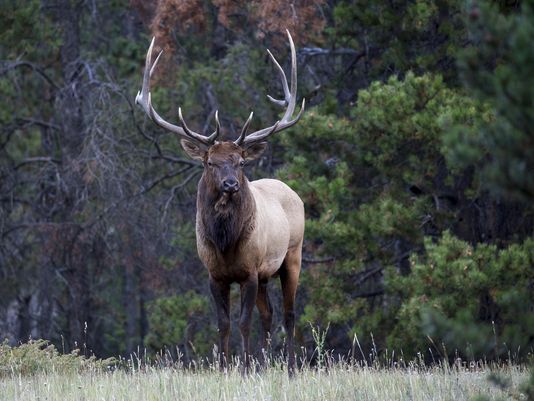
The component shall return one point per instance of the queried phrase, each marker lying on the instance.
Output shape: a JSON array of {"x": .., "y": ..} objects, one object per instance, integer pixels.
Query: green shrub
[
  {"x": 39, "y": 356},
  {"x": 473, "y": 300},
  {"x": 372, "y": 186},
  {"x": 177, "y": 321}
]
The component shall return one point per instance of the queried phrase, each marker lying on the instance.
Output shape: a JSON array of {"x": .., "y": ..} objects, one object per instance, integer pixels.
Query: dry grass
[{"x": 340, "y": 382}]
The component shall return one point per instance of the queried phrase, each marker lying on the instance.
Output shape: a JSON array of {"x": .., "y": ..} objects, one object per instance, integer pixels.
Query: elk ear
[
  {"x": 193, "y": 150},
  {"x": 254, "y": 151}
]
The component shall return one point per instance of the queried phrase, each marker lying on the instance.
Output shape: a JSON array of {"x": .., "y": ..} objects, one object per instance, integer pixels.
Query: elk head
[{"x": 223, "y": 161}]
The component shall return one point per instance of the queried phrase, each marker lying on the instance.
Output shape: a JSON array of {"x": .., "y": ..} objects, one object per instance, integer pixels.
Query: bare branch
[
  {"x": 38, "y": 159},
  {"x": 18, "y": 64}
]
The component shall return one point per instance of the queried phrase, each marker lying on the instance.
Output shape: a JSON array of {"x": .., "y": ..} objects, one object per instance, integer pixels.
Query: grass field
[{"x": 341, "y": 382}]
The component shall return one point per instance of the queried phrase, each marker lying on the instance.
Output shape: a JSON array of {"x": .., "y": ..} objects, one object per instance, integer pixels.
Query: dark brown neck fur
[{"x": 224, "y": 217}]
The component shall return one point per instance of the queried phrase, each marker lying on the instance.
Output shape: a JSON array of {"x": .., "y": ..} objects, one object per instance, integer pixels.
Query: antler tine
[
  {"x": 283, "y": 77},
  {"x": 290, "y": 97},
  {"x": 239, "y": 140},
  {"x": 144, "y": 99},
  {"x": 213, "y": 137},
  {"x": 293, "y": 98},
  {"x": 142, "y": 95},
  {"x": 280, "y": 125},
  {"x": 182, "y": 122}
]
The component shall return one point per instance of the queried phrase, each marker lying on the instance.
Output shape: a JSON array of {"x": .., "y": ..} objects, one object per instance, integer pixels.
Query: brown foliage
[
  {"x": 303, "y": 18},
  {"x": 262, "y": 18},
  {"x": 176, "y": 15}
]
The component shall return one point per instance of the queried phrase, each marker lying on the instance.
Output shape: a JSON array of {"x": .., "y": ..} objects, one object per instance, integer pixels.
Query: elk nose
[{"x": 230, "y": 185}]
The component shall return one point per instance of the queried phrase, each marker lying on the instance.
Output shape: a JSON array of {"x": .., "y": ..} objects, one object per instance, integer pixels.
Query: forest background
[{"x": 415, "y": 161}]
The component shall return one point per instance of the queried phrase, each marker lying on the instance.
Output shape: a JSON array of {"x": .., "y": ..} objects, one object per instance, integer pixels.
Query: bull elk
[{"x": 247, "y": 232}]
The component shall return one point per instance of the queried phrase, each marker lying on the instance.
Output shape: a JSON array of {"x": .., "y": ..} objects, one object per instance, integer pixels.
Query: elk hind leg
[
  {"x": 289, "y": 277},
  {"x": 265, "y": 308}
]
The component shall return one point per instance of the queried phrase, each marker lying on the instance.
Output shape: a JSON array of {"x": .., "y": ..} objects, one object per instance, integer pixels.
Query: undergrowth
[
  {"x": 36, "y": 370},
  {"x": 39, "y": 356}
]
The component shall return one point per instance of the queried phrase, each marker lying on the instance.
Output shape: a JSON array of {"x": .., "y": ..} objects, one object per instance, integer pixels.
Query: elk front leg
[
  {"x": 249, "y": 292},
  {"x": 221, "y": 295}
]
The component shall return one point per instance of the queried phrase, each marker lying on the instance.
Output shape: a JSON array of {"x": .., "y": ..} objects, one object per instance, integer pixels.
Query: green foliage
[
  {"x": 473, "y": 300},
  {"x": 40, "y": 357},
  {"x": 30, "y": 36},
  {"x": 124, "y": 54},
  {"x": 356, "y": 177},
  {"x": 26, "y": 32},
  {"x": 498, "y": 68},
  {"x": 174, "y": 322},
  {"x": 184, "y": 241},
  {"x": 397, "y": 36},
  {"x": 401, "y": 125}
]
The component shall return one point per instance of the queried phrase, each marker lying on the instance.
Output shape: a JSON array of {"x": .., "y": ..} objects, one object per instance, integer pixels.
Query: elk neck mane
[{"x": 225, "y": 220}]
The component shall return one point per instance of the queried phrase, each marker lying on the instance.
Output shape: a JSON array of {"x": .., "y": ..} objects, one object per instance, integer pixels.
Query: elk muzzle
[{"x": 230, "y": 185}]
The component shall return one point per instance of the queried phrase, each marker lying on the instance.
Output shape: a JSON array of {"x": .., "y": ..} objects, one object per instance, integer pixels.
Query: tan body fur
[{"x": 278, "y": 226}]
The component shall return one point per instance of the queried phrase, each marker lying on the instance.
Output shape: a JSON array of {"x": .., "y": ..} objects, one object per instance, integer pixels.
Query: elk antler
[
  {"x": 290, "y": 97},
  {"x": 143, "y": 99}
]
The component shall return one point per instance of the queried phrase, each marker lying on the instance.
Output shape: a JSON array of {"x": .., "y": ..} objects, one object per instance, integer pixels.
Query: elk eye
[
  {"x": 242, "y": 163},
  {"x": 210, "y": 164}
]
